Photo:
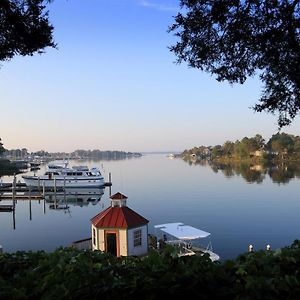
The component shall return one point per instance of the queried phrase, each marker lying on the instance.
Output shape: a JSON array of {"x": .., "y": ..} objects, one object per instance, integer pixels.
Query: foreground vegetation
[{"x": 73, "y": 274}]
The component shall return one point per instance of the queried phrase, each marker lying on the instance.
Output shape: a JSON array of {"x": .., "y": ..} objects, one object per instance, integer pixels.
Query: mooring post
[
  {"x": 109, "y": 177},
  {"x": 1, "y": 249},
  {"x": 30, "y": 211},
  {"x": 54, "y": 185},
  {"x": 39, "y": 184},
  {"x": 44, "y": 189},
  {"x": 14, "y": 191}
]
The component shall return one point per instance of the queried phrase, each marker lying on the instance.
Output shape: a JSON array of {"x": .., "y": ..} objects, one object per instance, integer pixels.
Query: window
[
  {"x": 94, "y": 236},
  {"x": 137, "y": 238}
]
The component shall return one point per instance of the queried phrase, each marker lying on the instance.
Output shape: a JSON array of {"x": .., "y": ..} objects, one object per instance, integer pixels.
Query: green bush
[{"x": 73, "y": 274}]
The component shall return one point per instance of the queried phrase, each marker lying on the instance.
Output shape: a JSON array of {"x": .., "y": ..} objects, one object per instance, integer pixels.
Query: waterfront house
[{"x": 119, "y": 230}]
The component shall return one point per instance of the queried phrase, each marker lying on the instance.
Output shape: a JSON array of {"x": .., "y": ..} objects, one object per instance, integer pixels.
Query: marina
[{"x": 163, "y": 190}]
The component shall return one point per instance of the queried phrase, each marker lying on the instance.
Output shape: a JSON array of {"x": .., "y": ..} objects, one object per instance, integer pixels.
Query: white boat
[
  {"x": 59, "y": 175},
  {"x": 187, "y": 239}
]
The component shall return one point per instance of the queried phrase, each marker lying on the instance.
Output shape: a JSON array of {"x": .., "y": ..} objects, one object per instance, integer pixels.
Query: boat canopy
[{"x": 182, "y": 232}]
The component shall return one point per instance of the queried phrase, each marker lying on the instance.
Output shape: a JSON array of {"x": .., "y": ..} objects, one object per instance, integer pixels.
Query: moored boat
[
  {"x": 62, "y": 176},
  {"x": 187, "y": 240}
]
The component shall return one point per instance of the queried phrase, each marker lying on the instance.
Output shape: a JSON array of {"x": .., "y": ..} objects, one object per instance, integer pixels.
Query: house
[{"x": 119, "y": 230}]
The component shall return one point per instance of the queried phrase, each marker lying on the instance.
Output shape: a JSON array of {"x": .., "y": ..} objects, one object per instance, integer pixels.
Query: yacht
[{"x": 60, "y": 175}]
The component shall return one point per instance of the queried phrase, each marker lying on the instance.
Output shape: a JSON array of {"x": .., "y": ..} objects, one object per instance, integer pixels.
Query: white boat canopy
[{"x": 182, "y": 232}]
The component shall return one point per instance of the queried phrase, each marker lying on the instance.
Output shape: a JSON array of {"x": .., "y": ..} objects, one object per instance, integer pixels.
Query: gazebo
[{"x": 119, "y": 230}]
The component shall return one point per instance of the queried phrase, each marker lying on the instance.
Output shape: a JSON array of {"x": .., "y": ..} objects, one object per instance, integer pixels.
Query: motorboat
[
  {"x": 187, "y": 239},
  {"x": 60, "y": 175}
]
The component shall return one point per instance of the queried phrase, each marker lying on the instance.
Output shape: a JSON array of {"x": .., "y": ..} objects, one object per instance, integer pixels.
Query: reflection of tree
[
  {"x": 282, "y": 174},
  {"x": 279, "y": 173},
  {"x": 250, "y": 174}
]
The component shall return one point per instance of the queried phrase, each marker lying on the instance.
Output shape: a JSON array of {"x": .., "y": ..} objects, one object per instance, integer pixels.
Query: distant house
[
  {"x": 257, "y": 153},
  {"x": 119, "y": 230}
]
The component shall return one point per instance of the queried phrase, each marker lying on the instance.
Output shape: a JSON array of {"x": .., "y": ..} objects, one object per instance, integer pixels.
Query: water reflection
[
  {"x": 73, "y": 196},
  {"x": 255, "y": 173}
]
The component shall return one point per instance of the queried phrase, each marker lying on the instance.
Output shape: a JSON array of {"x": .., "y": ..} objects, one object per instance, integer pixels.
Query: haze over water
[{"x": 237, "y": 213}]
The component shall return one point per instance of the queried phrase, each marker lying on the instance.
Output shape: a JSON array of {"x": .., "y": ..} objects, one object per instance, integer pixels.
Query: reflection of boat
[
  {"x": 186, "y": 238},
  {"x": 34, "y": 164},
  {"x": 62, "y": 176},
  {"x": 74, "y": 196}
]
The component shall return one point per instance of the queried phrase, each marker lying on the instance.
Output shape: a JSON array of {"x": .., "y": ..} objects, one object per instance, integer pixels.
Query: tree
[
  {"x": 24, "y": 28},
  {"x": 2, "y": 149},
  {"x": 236, "y": 39},
  {"x": 281, "y": 143}
]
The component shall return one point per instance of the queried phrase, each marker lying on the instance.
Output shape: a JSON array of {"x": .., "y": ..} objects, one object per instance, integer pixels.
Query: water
[{"x": 236, "y": 213}]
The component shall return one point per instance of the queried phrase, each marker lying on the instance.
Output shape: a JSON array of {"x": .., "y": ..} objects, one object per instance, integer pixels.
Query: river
[{"x": 238, "y": 209}]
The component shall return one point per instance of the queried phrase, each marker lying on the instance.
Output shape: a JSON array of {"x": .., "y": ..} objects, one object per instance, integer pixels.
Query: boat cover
[{"x": 182, "y": 232}]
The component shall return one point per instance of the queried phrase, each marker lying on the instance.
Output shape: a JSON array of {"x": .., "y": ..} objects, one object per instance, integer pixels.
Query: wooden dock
[
  {"x": 6, "y": 208},
  {"x": 21, "y": 197}
]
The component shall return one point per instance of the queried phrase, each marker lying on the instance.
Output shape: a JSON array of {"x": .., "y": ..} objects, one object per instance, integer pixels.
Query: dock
[{"x": 6, "y": 208}]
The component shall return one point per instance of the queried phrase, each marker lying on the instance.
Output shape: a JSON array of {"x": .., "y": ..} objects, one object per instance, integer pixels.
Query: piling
[
  {"x": 54, "y": 186},
  {"x": 14, "y": 192},
  {"x": 44, "y": 188},
  {"x": 1, "y": 249}
]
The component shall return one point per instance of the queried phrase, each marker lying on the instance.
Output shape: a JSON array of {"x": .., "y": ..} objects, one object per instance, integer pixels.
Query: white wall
[{"x": 139, "y": 250}]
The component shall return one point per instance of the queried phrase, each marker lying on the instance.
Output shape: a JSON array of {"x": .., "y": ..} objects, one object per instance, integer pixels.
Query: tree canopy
[
  {"x": 235, "y": 39},
  {"x": 2, "y": 149},
  {"x": 24, "y": 28}
]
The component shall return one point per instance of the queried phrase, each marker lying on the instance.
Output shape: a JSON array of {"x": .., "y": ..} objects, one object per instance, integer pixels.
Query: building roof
[
  {"x": 118, "y": 217},
  {"x": 118, "y": 196}
]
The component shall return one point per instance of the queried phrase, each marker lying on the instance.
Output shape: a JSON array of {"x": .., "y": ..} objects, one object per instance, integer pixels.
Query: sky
[{"x": 113, "y": 84}]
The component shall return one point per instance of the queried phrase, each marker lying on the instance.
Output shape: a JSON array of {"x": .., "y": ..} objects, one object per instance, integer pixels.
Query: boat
[
  {"x": 60, "y": 175},
  {"x": 187, "y": 239}
]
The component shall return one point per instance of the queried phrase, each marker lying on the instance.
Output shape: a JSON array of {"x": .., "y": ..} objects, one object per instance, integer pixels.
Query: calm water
[{"x": 237, "y": 213}]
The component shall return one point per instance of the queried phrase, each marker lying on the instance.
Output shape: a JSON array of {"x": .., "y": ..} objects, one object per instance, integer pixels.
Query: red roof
[
  {"x": 118, "y": 196},
  {"x": 118, "y": 217}
]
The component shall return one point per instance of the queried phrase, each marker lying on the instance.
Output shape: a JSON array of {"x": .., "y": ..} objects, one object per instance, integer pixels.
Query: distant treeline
[
  {"x": 23, "y": 153},
  {"x": 280, "y": 146}
]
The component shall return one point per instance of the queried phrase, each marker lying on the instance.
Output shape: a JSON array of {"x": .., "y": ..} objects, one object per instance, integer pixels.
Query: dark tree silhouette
[
  {"x": 234, "y": 39},
  {"x": 24, "y": 28}
]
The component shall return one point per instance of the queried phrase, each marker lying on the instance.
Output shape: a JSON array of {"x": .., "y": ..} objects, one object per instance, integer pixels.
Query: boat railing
[{"x": 184, "y": 248}]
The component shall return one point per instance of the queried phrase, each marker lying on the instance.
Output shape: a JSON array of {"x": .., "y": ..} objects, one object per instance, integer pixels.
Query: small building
[{"x": 119, "y": 230}]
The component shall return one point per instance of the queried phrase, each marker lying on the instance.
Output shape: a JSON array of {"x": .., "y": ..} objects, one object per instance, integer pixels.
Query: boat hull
[{"x": 35, "y": 181}]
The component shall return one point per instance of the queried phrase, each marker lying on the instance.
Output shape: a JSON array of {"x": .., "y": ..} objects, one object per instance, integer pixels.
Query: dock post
[
  {"x": 44, "y": 206},
  {"x": 44, "y": 189},
  {"x": 1, "y": 249},
  {"x": 54, "y": 185},
  {"x": 39, "y": 184},
  {"x": 14, "y": 191},
  {"x": 30, "y": 211},
  {"x": 109, "y": 177}
]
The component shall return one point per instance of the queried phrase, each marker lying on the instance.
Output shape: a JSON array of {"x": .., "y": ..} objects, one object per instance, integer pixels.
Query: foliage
[
  {"x": 73, "y": 274},
  {"x": 2, "y": 149},
  {"x": 24, "y": 28},
  {"x": 235, "y": 39},
  {"x": 280, "y": 146}
]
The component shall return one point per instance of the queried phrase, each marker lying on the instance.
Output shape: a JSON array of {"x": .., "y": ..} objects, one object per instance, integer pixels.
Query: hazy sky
[{"x": 112, "y": 84}]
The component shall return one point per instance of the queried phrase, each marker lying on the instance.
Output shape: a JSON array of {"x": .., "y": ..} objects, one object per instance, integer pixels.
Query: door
[{"x": 111, "y": 243}]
